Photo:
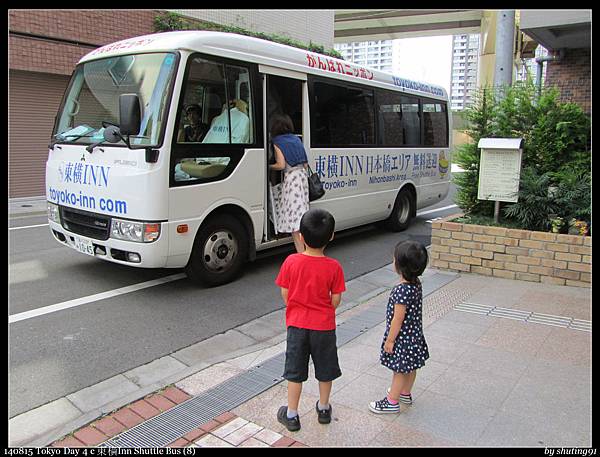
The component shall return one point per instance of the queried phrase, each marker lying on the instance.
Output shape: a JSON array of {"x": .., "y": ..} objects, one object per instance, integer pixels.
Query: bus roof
[{"x": 250, "y": 49}]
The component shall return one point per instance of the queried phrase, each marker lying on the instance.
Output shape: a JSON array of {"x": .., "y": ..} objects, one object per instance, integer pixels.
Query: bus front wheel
[
  {"x": 219, "y": 252},
  {"x": 403, "y": 211}
]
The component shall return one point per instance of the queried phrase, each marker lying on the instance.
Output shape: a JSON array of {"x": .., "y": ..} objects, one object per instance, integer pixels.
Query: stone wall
[{"x": 512, "y": 254}]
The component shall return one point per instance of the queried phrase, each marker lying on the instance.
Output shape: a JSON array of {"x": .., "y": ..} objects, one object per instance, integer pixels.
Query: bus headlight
[
  {"x": 53, "y": 213},
  {"x": 140, "y": 232}
]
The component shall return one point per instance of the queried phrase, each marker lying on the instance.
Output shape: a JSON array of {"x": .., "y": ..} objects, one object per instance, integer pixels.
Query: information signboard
[{"x": 499, "y": 169}]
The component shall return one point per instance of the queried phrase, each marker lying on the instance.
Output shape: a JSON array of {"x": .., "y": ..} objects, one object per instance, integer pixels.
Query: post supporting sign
[{"x": 499, "y": 170}]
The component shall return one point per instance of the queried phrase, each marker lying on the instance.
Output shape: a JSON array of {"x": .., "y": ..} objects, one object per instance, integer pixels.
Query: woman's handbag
[{"x": 315, "y": 186}]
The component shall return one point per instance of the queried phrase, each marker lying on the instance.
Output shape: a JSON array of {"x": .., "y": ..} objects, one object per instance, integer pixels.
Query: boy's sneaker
[
  {"x": 406, "y": 399},
  {"x": 293, "y": 424},
  {"x": 384, "y": 407},
  {"x": 324, "y": 414}
]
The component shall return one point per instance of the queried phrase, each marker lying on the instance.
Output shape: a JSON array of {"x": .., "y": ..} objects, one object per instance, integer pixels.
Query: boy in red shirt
[{"x": 311, "y": 287}]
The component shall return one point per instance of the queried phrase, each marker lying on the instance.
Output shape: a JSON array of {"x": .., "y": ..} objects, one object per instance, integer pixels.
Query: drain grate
[
  {"x": 167, "y": 427},
  {"x": 525, "y": 316}
]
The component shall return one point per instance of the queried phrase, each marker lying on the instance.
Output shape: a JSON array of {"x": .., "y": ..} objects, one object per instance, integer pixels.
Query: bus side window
[{"x": 435, "y": 124}]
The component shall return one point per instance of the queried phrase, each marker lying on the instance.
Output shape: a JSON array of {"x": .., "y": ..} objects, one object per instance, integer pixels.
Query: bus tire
[
  {"x": 220, "y": 251},
  {"x": 402, "y": 212}
]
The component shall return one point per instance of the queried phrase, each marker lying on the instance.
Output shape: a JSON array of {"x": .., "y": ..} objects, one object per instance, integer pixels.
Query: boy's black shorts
[{"x": 320, "y": 345}]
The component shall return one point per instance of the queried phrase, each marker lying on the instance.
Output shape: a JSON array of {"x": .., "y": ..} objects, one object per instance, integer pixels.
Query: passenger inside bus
[
  {"x": 195, "y": 130},
  {"x": 240, "y": 124}
]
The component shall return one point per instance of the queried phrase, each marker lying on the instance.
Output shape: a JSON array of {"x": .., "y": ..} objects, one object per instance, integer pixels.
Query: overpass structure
[{"x": 389, "y": 24}]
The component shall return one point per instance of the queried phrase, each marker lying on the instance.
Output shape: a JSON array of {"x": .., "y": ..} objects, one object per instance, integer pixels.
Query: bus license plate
[{"x": 84, "y": 246}]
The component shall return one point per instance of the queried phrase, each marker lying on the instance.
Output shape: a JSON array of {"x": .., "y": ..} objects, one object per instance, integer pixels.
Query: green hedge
[{"x": 556, "y": 161}]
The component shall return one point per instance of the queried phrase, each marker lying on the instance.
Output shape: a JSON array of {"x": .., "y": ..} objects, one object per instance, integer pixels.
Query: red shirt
[{"x": 310, "y": 282}]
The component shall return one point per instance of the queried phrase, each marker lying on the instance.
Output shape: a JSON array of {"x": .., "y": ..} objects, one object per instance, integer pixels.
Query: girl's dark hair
[
  {"x": 281, "y": 124},
  {"x": 410, "y": 259}
]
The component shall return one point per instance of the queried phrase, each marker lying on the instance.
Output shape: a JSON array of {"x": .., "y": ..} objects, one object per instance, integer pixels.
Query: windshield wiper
[{"x": 63, "y": 138}]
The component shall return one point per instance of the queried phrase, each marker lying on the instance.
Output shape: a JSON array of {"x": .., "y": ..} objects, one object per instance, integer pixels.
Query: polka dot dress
[{"x": 410, "y": 348}]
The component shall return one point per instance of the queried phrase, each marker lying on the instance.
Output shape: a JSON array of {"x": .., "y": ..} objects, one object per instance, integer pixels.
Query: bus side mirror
[{"x": 129, "y": 114}]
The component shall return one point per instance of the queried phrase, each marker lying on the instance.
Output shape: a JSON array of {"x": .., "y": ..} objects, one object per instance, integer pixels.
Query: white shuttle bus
[{"x": 160, "y": 150}]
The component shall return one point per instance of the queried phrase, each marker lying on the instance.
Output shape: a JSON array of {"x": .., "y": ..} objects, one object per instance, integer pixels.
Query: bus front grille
[{"x": 84, "y": 223}]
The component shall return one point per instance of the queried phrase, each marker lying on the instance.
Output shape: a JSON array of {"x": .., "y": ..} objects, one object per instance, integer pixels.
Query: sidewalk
[{"x": 510, "y": 365}]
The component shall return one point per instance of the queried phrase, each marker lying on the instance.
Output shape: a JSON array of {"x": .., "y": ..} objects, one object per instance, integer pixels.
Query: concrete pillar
[{"x": 505, "y": 44}]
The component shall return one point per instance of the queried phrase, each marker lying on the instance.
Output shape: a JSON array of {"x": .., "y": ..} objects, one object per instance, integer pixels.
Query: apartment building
[
  {"x": 465, "y": 61},
  {"x": 372, "y": 54}
]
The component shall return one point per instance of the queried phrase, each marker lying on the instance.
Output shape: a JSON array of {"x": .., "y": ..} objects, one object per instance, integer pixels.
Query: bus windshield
[{"x": 93, "y": 97}]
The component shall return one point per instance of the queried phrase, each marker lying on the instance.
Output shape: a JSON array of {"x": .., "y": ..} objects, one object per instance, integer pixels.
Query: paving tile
[
  {"x": 400, "y": 435},
  {"x": 495, "y": 361},
  {"x": 268, "y": 436},
  {"x": 523, "y": 338},
  {"x": 154, "y": 371},
  {"x": 225, "y": 417},
  {"x": 357, "y": 357},
  {"x": 448, "y": 418},
  {"x": 194, "y": 434},
  {"x": 104, "y": 392},
  {"x": 254, "y": 358},
  {"x": 284, "y": 442},
  {"x": 69, "y": 441},
  {"x": 127, "y": 417},
  {"x": 208, "y": 378},
  {"x": 511, "y": 429},
  {"x": 175, "y": 395},
  {"x": 567, "y": 404},
  {"x": 214, "y": 347},
  {"x": 212, "y": 441},
  {"x": 567, "y": 345},
  {"x": 298, "y": 444},
  {"x": 507, "y": 429},
  {"x": 475, "y": 386},
  {"x": 456, "y": 330},
  {"x": 144, "y": 409},
  {"x": 242, "y": 434},
  {"x": 90, "y": 436},
  {"x": 445, "y": 350},
  {"x": 27, "y": 426},
  {"x": 252, "y": 442},
  {"x": 181, "y": 442},
  {"x": 159, "y": 402},
  {"x": 109, "y": 426},
  {"x": 230, "y": 427},
  {"x": 210, "y": 426}
]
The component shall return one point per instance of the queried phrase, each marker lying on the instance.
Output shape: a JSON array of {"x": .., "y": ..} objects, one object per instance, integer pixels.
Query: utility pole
[{"x": 505, "y": 42}]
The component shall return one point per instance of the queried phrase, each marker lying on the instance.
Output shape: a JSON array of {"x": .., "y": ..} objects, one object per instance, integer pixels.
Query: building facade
[
  {"x": 465, "y": 62},
  {"x": 373, "y": 54},
  {"x": 301, "y": 25},
  {"x": 45, "y": 46},
  {"x": 567, "y": 35}
]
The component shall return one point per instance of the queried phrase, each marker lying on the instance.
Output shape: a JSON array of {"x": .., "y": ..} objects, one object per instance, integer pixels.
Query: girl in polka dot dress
[{"x": 404, "y": 349}]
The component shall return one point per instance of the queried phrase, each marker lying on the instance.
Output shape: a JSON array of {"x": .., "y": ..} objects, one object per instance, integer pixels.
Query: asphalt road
[{"x": 55, "y": 354}]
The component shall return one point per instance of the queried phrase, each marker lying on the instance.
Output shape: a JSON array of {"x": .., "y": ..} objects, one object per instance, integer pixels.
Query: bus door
[{"x": 284, "y": 92}]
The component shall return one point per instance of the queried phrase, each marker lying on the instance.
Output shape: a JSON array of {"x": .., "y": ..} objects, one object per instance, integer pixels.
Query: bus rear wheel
[
  {"x": 402, "y": 213},
  {"x": 219, "y": 253}
]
